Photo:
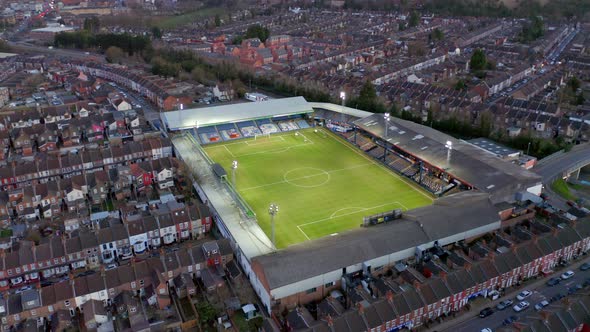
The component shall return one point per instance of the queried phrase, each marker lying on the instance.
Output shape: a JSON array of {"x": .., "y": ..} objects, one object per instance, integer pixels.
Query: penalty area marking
[{"x": 347, "y": 214}]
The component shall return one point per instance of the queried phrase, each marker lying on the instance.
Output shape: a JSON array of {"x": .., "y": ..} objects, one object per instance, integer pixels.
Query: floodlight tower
[
  {"x": 449, "y": 146},
  {"x": 343, "y": 98},
  {"x": 273, "y": 209},
  {"x": 386, "y": 117},
  {"x": 234, "y": 166}
]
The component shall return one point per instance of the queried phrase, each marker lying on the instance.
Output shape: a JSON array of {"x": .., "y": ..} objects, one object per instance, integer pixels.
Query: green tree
[
  {"x": 257, "y": 31},
  {"x": 156, "y": 32},
  {"x": 574, "y": 84},
  {"x": 532, "y": 31},
  {"x": 114, "y": 54},
  {"x": 460, "y": 85},
  {"x": 91, "y": 24},
  {"x": 438, "y": 34},
  {"x": 217, "y": 20},
  {"x": 206, "y": 312},
  {"x": 478, "y": 60},
  {"x": 414, "y": 19},
  {"x": 4, "y": 47}
]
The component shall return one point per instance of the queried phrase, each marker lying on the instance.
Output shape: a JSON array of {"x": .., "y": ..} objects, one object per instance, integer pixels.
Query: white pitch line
[
  {"x": 347, "y": 214},
  {"x": 225, "y": 146},
  {"x": 383, "y": 167},
  {"x": 306, "y": 177},
  {"x": 307, "y": 237}
]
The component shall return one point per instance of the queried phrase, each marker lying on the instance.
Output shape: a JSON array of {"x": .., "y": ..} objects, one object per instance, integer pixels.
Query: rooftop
[
  {"x": 465, "y": 161},
  {"x": 210, "y": 116}
]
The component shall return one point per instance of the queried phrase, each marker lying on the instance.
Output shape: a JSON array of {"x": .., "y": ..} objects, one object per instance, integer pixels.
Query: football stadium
[
  {"x": 314, "y": 196},
  {"x": 321, "y": 183}
]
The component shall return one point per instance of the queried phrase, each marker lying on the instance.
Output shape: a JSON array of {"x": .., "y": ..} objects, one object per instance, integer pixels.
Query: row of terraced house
[
  {"x": 150, "y": 278},
  {"x": 414, "y": 297},
  {"x": 110, "y": 240}
]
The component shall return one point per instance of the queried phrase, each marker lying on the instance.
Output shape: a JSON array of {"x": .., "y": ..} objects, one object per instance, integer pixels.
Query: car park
[
  {"x": 566, "y": 275},
  {"x": 504, "y": 304},
  {"x": 486, "y": 312},
  {"x": 510, "y": 320},
  {"x": 523, "y": 295},
  {"x": 521, "y": 306},
  {"x": 541, "y": 305}
]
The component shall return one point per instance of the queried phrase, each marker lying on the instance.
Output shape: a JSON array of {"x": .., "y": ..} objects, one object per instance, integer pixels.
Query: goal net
[{"x": 259, "y": 136}]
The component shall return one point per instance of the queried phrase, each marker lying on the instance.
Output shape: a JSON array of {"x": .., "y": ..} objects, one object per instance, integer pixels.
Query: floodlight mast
[
  {"x": 273, "y": 209},
  {"x": 449, "y": 146},
  {"x": 234, "y": 166},
  {"x": 386, "y": 117},
  {"x": 343, "y": 97}
]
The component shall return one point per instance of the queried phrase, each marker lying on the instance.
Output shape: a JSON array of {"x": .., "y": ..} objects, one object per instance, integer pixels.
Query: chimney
[
  {"x": 360, "y": 308},
  {"x": 554, "y": 231},
  {"x": 443, "y": 275},
  {"x": 330, "y": 320},
  {"x": 103, "y": 271},
  {"x": 71, "y": 278},
  {"x": 467, "y": 266},
  {"x": 389, "y": 296},
  {"x": 416, "y": 284}
]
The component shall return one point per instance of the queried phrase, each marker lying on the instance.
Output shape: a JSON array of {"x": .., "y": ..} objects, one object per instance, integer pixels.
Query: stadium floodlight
[
  {"x": 342, "y": 96},
  {"x": 273, "y": 209},
  {"x": 449, "y": 146},
  {"x": 234, "y": 166},
  {"x": 386, "y": 116}
]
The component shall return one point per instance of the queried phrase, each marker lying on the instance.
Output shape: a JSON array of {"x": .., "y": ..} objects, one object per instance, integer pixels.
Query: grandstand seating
[
  {"x": 287, "y": 125},
  {"x": 377, "y": 152},
  {"x": 396, "y": 162},
  {"x": 267, "y": 126},
  {"x": 302, "y": 124},
  {"x": 209, "y": 135},
  {"x": 228, "y": 131},
  {"x": 249, "y": 128}
]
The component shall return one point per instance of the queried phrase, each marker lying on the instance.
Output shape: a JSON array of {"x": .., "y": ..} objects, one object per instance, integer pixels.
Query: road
[
  {"x": 544, "y": 292},
  {"x": 553, "y": 166},
  {"x": 58, "y": 52}
]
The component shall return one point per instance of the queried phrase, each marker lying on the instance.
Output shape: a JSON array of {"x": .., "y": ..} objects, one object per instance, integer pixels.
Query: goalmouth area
[{"x": 322, "y": 184}]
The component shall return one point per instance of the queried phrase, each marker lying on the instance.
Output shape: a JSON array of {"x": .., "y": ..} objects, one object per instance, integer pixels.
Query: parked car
[
  {"x": 487, "y": 329},
  {"x": 485, "y": 312},
  {"x": 566, "y": 275},
  {"x": 523, "y": 295},
  {"x": 504, "y": 304},
  {"x": 111, "y": 266},
  {"x": 521, "y": 306},
  {"x": 585, "y": 267},
  {"x": 541, "y": 305},
  {"x": 510, "y": 320},
  {"x": 553, "y": 281}
]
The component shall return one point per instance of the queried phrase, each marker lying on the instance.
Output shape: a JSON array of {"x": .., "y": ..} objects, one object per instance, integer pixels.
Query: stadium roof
[
  {"x": 448, "y": 216},
  {"x": 465, "y": 161},
  {"x": 499, "y": 150},
  {"x": 210, "y": 116},
  {"x": 342, "y": 109}
]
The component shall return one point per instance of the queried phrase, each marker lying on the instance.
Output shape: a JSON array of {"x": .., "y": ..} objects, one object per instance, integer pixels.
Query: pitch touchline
[
  {"x": 274, "y": 151},
  {"x": 307, "y": 237},
  {"x": 347, "y": 214},
  {"x": 305, "y": 177}
]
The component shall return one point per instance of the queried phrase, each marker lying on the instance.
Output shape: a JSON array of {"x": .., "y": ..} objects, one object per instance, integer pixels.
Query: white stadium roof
[{"x": 209, "y": 116}]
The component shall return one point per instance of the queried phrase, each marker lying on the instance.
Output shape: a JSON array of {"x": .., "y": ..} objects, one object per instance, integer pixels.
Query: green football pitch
[{"x": 322, "y": 184}]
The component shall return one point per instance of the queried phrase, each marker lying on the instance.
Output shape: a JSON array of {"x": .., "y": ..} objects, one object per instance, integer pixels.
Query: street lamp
[
  {"x": 234, "y": 166},
  {"x": 386, "y": 116},
  {"x": 273, "y": 209}
]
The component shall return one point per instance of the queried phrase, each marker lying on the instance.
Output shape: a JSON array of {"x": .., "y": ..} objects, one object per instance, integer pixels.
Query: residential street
[{"x": 470, "y": 321}]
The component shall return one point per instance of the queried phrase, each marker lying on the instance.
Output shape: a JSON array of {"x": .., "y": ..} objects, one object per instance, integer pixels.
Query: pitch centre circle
[{"x": 307, "y": 177}]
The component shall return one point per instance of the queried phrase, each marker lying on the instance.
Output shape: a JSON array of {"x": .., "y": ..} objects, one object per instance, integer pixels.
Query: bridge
[{"x": 563, "y": 164}]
